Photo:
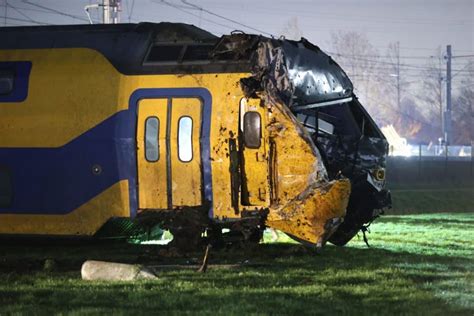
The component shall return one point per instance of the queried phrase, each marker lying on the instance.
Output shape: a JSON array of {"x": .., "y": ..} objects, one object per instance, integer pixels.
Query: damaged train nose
[
  {"x": 315, "y": 98},
  {"x": 305, "y": 203},
  {"x": 313, "y": 216}
]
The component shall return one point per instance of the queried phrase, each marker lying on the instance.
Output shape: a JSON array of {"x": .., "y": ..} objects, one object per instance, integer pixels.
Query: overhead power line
[
  {"x": 191, "y": 5},
  {"x": 5, "y": 13},
  {"x": 27, "y": 9},
  {"x": 179, "y": 8},
  {"x": 24, "y": 20},
  {"x": 56, "y": 11},
  {"x": 130, "y": 10},
  {"x": 389, "y": 57},
  {"x": 463, "y": 56},
  {"x": 381, "y": 62},
  {"x": 431, "y": 49},
  {"x": 17, "y": 10},
  {"x": 321, "y": 15}
]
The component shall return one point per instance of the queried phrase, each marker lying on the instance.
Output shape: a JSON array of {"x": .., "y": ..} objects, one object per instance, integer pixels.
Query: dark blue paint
[
  {"x": 21, "y": 70},
  {"x": 59, "y": 180}
]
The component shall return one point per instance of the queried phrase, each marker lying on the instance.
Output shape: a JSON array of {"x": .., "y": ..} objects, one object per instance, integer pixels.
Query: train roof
[
  {"x": 309, "y": 78},
  {"x": 126, "y": 46},
  {"x": 97, "y": 35}
]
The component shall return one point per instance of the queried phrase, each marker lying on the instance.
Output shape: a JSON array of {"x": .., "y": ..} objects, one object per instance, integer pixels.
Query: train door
[
  {"x": 254, "y": 164},
  {"x": 169, "y": 153}
]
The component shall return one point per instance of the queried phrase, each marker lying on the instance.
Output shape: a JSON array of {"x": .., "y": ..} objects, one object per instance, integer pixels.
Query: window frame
[
  {"x": 157, "y": 139},
  {"x": 191, "y": 138}
]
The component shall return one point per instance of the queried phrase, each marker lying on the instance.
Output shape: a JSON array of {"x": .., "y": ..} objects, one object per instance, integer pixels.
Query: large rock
[{"x": 111, "y": 271}]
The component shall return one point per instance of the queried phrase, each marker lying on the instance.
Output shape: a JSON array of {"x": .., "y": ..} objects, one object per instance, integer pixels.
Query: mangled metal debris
[{"x": 309, "y": 88}]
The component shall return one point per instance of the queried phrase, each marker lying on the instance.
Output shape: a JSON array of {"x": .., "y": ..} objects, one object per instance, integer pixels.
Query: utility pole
[
  {"x": 398, "y": 76},
  {"x": 111, "y": 11},
  {"x": 116, "y": 11},
  {"x": 6, "y": 13},
  {"x": 447, "y": 113},
  {"x": 106, "y": 11}
]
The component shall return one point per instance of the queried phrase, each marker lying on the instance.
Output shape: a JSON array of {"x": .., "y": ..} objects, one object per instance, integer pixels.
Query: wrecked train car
[{"x": 167, "y": 124}]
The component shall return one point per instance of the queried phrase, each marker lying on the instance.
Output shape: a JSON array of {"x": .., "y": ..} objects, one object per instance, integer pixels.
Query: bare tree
[
  {"x": 392, "y": 76},
  {"x": 401, "y": 107},
  {"x": 463, "y": 115},
  {"x": 291, "y": 30},
  {"x": 355, "y": 54},
  {"x": 431, "y": 92}
]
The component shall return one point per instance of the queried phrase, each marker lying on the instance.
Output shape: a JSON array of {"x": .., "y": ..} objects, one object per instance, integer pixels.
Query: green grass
[
  {"x": 431, "y": 199},
  {"x": 417, "y": 264}
]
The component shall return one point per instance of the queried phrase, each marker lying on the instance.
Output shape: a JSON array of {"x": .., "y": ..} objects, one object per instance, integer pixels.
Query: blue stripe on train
[{"x": 59, "y": 180}]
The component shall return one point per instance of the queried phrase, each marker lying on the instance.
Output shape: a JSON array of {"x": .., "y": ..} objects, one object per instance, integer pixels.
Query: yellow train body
[{"x": 90, "y": 143}]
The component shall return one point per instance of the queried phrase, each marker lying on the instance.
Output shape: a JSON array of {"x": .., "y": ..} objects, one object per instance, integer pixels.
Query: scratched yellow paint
[
  {"x": 301, "y": 205},
  {"x": 255, "y": 160},
  {"x": 152, "y": 175},
  {"x": 294, "y": 159},
  {"x": 85, "y": 220},
  {"x": 306, "y": 216}
]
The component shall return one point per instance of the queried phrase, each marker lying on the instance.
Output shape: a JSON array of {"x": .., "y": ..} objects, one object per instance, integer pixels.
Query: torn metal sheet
[
  {"x": 304, "y": 83},
  {"x": 298, "y": 73}
]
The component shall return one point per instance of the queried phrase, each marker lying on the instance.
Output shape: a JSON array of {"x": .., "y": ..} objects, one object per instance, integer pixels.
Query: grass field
[
  {"x": 417, "y": 264},
  {"x": 410, "y": 199}
]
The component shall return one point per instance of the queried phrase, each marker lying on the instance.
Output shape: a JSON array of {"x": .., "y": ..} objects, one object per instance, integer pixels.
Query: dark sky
[{"x": 419, "y": 25}]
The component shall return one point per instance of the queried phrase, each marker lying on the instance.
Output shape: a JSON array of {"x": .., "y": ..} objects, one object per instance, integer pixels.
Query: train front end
[{"x": 345, "y": 189}]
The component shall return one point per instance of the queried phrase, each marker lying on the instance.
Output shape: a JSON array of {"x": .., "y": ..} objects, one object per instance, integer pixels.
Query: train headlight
[
  {"x": 379, "y": 174},
  {"x": 377, "y": 178}
]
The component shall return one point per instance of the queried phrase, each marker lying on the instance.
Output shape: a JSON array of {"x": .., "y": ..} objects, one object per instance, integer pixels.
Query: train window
[
  {"x": 152, "y": 128},
  {"x": 185, "y": 139},
  {"x": 310, "y": 123},
  {"x": 5, "y": 188},
  {"x": 252, "y": 129},
  {"x": 175, "y": 53},
  {"x": 325, "y": 126},
  {"x": 197, "y": 52},
  {"x": 165, "y": 53},
  {"x": 6, "y": 81}
]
